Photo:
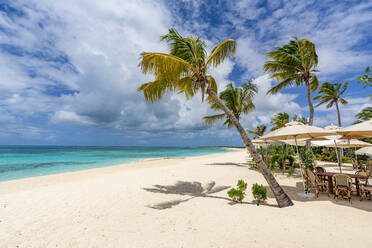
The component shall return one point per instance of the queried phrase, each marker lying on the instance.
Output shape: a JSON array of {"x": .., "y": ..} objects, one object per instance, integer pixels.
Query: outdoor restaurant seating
[
  {"x": 316, "y": 183},
  {"x": 342, "y": 186}
]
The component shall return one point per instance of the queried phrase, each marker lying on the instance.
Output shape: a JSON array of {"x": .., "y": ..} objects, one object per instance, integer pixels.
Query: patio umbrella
[
  {"x": 357, "y": 131},
  {"x": 365, "y": 151},
  {"x": 334, "y": 138},
  {"x": 297, "y": 130},
  {"x": 352, "y": 143}
]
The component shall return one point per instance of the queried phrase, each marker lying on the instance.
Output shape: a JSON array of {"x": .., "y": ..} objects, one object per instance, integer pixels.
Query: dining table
[{"x": 329, "y": 175}]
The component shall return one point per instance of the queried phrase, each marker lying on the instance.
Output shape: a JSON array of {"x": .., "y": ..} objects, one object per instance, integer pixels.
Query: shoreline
[{"x": 57, "y": 178}]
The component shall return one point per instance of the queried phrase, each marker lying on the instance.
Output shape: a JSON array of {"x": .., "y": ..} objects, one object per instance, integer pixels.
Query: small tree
[
  {"x": 238, "y": 194},
  {"x": 259, "y": 193}
]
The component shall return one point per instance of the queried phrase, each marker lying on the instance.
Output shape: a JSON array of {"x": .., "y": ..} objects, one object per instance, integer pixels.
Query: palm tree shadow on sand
[{"x": 192, "y": 189}]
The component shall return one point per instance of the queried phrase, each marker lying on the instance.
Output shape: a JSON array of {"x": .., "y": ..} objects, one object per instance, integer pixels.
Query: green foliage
[
  {"x": 259, "y": 192},
  {"x": 237, "y": 194},
  {"x": 364, "y": 115},
  {"x": 279, "y": 120},
  {"x": 293, "y": 64},
  {"x": 366, "y": 79},
  {"x": 346, "y": 159},
  {"x": 307, "y": 158},
  {"x": 279, "y": 153},
  {"x": 238, "y": 100},
  {"x": 184, "y": 69},
  {"x": 290, "y": 171},
  {"x": 331, "y": 94},
  {"x": 258, "y": 132}
]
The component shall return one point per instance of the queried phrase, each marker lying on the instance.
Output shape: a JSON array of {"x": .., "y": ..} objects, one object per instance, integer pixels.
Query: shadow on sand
[{"x": 192, "y": 189}]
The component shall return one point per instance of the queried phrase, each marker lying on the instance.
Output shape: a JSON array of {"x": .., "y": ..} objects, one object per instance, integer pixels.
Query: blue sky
[{"x": 68, "y": 69}]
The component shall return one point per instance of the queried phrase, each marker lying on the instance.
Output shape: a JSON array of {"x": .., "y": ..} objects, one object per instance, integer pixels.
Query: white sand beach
[{"x": 160, "y": 203}]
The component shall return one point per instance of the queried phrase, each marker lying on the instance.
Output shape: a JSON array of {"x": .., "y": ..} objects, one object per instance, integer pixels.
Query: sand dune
[{"x": 172, "y": 203}]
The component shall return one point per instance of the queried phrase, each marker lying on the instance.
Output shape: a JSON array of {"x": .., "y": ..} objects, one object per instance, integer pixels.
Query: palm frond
[
  {"x": 164, "y": 65},
  {"x": 224, "y": 50},
  {"x": 209, "y": 120}
]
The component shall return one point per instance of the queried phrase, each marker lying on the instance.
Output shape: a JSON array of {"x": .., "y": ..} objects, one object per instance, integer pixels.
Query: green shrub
[
  {"x": 290, "y": 171},
  {"x": 346, "y": 159},
  {"x": 307, "y": 159},
  {"x": 237, "y": 194},
  {"x": 259, "y": 193}
]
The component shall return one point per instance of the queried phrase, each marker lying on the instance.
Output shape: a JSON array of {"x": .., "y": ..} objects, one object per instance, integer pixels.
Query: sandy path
[{"x": 120, "y": 207}]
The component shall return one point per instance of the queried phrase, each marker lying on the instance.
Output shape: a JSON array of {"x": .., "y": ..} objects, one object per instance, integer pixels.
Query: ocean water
[{"x": 31, "y": 161}]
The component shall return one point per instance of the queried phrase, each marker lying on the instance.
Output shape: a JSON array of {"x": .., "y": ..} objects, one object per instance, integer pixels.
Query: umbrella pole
[
  {"x": 338, "y": 159},
  {"x": 299, "y": 161}
]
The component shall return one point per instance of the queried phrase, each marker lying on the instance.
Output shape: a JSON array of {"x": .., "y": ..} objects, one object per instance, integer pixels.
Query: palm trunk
[
  {"x": 281, "y": 197},
  {"x": 338, "y": 114},
  {"x": 311, "y": 110},
  {"x": 339, "y": 124}
]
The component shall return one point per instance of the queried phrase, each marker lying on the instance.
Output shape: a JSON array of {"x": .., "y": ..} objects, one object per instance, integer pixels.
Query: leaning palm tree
[
  {"x": 279, "y": 120},
  {"x": 331, "y": 94},
  {"x": 185, "y": 70},
  {"x": 258, "y": 132},
  {"x": 238, "y": 100},
  {"x": 294, "y": 64}
]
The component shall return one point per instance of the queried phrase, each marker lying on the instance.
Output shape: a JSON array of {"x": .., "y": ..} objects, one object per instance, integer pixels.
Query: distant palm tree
[
  {"x": 294, "y": 64},
  {"x": 238, "y": 100},
  {"x": 331, "y": 94},
  {"x": 279, "y": 120},
  {"x": 302, "y": 119},
  {"x": 364, "y": 115},
  {"x": 185, "y": 70},
  {"x": 258, "y": 132}
]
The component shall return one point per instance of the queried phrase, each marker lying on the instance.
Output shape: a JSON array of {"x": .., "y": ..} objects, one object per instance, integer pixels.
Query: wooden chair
[
  {"x": 320, "y": 169},
  {"x": 354, "y": 163},
  {"x": 315, "y": 183},
  {"x": 342, "y": 186},
  {"x": 362, "y": 181},
  {"x": 365, "y": 191}
]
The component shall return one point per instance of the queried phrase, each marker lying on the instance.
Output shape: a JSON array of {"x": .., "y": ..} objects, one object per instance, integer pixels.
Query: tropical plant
[
  {"x": 307, "y": 158},
  {"x": 238, "y": 100},
  {"x": 258, "y": 132},
  {"x": 279, "y": 120},
  {"x": 301, "y": 119},
  {"x": 363, "y": 115},
  {"x": 331, "y": 94},
  {"x": 185, "y": 70},
  {"x": 366, "y": 79},
  {"x": 237, "y": 194},
  {"x": 259, "y": 193},
  {"x": 294, "y": 64}
]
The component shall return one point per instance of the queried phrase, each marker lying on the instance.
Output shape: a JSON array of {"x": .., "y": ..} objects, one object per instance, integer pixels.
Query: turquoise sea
[{"x": 31, "y": 161}]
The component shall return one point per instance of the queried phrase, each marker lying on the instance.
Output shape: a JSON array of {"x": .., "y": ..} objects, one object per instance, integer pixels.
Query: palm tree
[
  {"x": 258, "y": 132},
  {"x": 185, "y": 70},
  {"x": 238, "y": 100},
  {"x": 363, "y": 115},
  {"x": 331, "y": 94},
  {"x": 279, "y": 120},
  {"x": 294, "y": 64},
  {"x": 302, "y": 119}
]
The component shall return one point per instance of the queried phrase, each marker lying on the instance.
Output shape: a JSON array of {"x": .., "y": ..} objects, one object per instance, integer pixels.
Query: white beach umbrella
[
  {"x": 365, "y": 151},
  {"x": 352, "y": 143},
  {"x": 297, "y": 130},
  {"x": 357, "y": 131}
]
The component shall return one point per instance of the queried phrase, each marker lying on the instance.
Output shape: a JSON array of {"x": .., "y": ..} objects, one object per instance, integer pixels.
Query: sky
[{"x": 69, "y": 69}]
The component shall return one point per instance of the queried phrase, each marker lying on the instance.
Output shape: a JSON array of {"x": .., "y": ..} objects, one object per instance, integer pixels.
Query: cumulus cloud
[{"x": 74, "y": 63}]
